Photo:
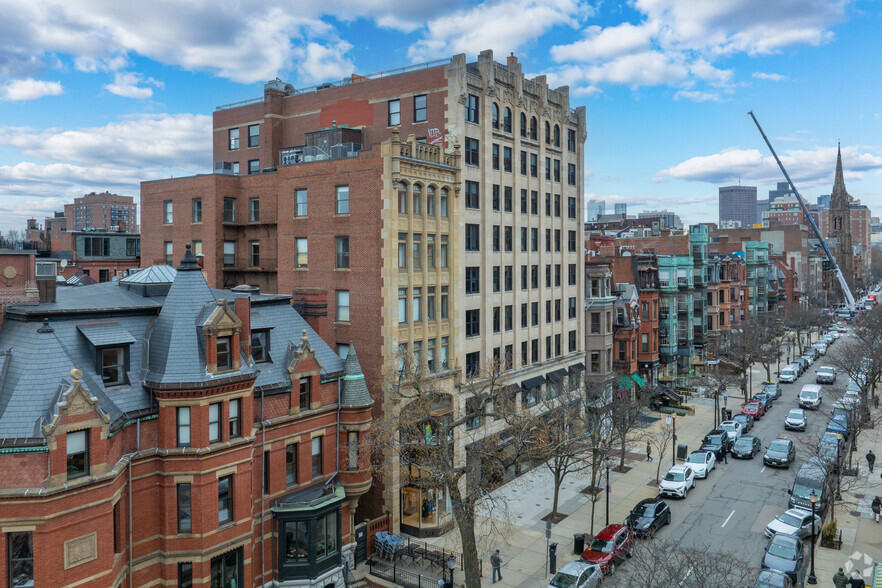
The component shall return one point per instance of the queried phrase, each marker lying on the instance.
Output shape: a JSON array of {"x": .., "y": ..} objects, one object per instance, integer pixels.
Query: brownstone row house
[{"x": 157, "y": 431}]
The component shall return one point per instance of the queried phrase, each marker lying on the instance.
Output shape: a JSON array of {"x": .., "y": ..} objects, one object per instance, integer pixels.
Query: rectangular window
[
  {"x": 185, "y": 575},
  {"x": 343, "y": 306},
  {"x": 394, "y": 113},
  {"x": 266, "y": 472},
  {"x": 557, "y": 345},
  {"x": 224, "y": 500},
  {"x": 534, "y": 351},
  {"x": 473, "y": 364},
  {"x": 183, "y": 426},
  {"x": 443, "y": 204},
  {"x": 472, "y": 151},
  {"x": 402, "y": 305},
  {"x": 508, "y": 277},
  {"x": 644, "y": 343},
  {"x": 185, "y": 518},
  {"x": 254, "y": 210},
  {"x": 402, "y": 250},
  {"x": 420, "y": 112},
  {"x": 169, "y": 253},
  {"x": 494, "y": 157},
  {"x": 557, "y": 239},
  {"x": 113, "y": 369},
  {"x": 214, "y": 434},
  {"x": 557, "y": 171},
  {"x": 317, "y": 465},
  {"x": 524, "y": 316},
  {"x": 197, "y": 210},
  {"x": 556, "y": 275},
  {"x": 509, "y": 317},
  {"x": 472, "y": 194},
  {"x": 495, "y": 237},
  {"x": 253, "y": 135},
  {"x": 342, "y": 249},
  {"x": 472, "y": 280},
  {"x": 557, "y": 310},
  {"x": 224, "y": 354},
  {"x": 524, "y": 278},
  {"x": 444, "y": 249},
  {"x": 571, "y": 140},
  {"x": 547, "y": 168},
  {"x": 534, "y": 165},
  {"x": 571, "y": 346},
  {"x": 595, "y": 322},
  {"x": 473, "y": 322},
  {"x": 508, "y": 239},
  {"x": 235, "y": 419},
  {"x": 416, "y": 307},
  {"x": 571, "y": 241},
  {"x": 303, "y": 394},
  {"x": 254, "y": 254},
  {"x": 523, "y": 239},
  {"x": 430, "y": 303},
  {"x": 352, "y": 450},
  {"x": 506, "y": 199},
  {"x": 300, "y": 209},
  {"x": 416, "y": 247},
  {"x": 534, "y": 276},
  {"x": 260, "y": 346},
  {"x": 506, "y": 159},
  {"x": 77, "y": 454},
  {"x": 430, "y": 201},
  {"x": 430, "y": 251},
  {"x": 571, "y": 274},
  {"x": 523, "y": 163},
  {"x": 291, "y": 464},
  {"x": 471, "y": 109},
  {"x": 497, "y": 281},
  {"x": 20, "y": 547},
  {"x": 472, "y": 238},
  {"x": 497, "y": 319},
  {"x": 342, "y": 200},
  {"x": 557, "y": 205},
  {"x": 253, "y": 166},
  {"x": 534, "y": 314},
  {"x": 534, "y": 202},
  {"x": 167, "y": 208},
  {"x": 300, "y": 252},
  {"x": 534, "y": 239},
  {"x": 444, "y": 295},
  {"x": 495, "y": 202},
  {"x": 233, "y": 139},
  {"x": 523, "y": 202},
  {"x": 571, "y": 207},
  {"x": 524, "y": 353},
  {"x": 571, "y": 307},
  {"x": 547, "y": 311},
  {"x": 547, "y": 204},
  {"x": 229, "y": 210},
  {"x": 571, "y": 174}
]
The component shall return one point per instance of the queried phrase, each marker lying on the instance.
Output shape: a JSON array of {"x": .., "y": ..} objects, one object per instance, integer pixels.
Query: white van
[
  {"x": 811, "y": 396},
  {"x": 821, "y": 347},
  {"x": 789, "y": 374}
]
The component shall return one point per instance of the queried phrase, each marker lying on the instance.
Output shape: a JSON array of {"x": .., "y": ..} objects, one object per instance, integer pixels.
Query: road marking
[
  {"x": 762, "y": 470},
  {"x": 688, "y": 573},
  {"x": 727, "y": 519}
]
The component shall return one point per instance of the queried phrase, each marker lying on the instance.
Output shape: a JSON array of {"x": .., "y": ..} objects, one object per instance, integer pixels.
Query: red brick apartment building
[
  {"x": 425, "y": 212},
  {"x": 101, "y": 211},
  {"x": 156, "y": 432}
]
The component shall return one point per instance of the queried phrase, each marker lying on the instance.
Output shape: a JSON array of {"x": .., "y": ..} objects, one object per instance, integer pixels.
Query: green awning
[
  {"x": 624, "y": 382},
  {"x": 638, "y": 379}
]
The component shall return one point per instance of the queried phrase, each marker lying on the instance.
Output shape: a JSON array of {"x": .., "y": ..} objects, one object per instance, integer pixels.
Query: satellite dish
[{"x": 63, "y": 263}]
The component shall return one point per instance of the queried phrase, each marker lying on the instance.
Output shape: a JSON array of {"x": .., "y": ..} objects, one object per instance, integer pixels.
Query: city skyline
[{"x": 92, "y": 103}]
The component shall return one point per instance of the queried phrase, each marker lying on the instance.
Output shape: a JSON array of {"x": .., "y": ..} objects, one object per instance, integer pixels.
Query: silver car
[
  {"x": 577, "y": 574},
  {"x": 796, "y": 521},
  {"x": 795, "y": 420}
]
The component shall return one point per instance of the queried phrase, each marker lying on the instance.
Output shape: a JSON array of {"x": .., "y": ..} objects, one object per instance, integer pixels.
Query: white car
[
  {"x": 796, "y": 521},
  {"x": 677, "y": 482},
  {"x": 577, "y": 574},
  {"x": 702, "y": 462},
  {"x": 821, "y": 347},
  {"x": 835, "y": 334},
  {"x": 733, "y": 428},
  {"x": 789, "y": 374}
]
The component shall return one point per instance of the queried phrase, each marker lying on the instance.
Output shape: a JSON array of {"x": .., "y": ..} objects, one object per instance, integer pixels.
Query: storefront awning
[
  {"x": 638, "y": 379},
  {"x": 576, "y": 368},
  {"x": 556, "y": 375},
  {"x": 624, "y": 382},
  {"x": 534, "y": 382}
]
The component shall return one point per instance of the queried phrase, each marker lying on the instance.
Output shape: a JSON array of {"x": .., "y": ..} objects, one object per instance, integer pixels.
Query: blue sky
[{"x": 100, "y": 94}]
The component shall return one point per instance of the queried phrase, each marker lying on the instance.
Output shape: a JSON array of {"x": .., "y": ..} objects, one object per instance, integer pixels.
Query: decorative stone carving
[
  {"x": 76, "y": 400},
  {"x": 222, "y": 321},
  {"x": 80, "y": 550}
]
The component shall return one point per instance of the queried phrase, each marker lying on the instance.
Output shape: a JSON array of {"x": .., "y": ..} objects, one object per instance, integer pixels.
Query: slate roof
[
  {"x": 35, "y": 360},
  {"x": 355, "y": 391}
]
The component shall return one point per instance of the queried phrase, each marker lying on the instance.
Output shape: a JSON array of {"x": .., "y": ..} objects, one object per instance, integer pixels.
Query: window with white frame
[{"x": 343, "y": 306}]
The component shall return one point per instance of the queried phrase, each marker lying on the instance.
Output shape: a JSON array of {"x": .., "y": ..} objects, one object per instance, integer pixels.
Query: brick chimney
[
  {"x": 242, "y": 308},
  {"x": 511, "y": 60},
  {"x": 312, "y": 305}
]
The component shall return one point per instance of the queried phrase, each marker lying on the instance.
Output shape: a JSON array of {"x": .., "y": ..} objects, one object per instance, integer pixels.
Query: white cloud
[
  {"x": 320, "y": 62},
  {"x": 600, "y": 43},
  {"x": 772, "y": 77},
  {"x": 504, "y": 25},
  {"x": 641, "y": 69},
  {"x": 29, "y": 89},
  {"x": 697, "y": 96},
  {"x": 125, "y": 84}
]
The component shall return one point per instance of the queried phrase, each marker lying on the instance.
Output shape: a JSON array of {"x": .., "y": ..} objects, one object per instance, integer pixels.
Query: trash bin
[
  {"x": 578, "y": 543},
  {"x": 552, "y": 558},
  {"x": 682, "y": 452}
]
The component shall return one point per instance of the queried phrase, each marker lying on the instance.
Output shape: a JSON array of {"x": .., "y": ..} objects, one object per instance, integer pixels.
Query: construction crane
[{"x": 846, "y": 291}]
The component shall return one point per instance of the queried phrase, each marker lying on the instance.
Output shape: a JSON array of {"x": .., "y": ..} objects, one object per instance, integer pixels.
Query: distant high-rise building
[
  {"x": 738, "y": 203},
  {"x": 762, "y": 207},
  {"x": 104, "y": 212},
  {"x": 621, "y": 208},
  {"x": 595, "y": 209},
  {"x": 672, "y": 221},
  {"x": 782, "y": 190},
  {"x": 824, "y": 200}
]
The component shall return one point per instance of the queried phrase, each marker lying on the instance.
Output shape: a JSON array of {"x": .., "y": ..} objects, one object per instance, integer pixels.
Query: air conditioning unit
[
  {"x": 223, "y": 167},
  {"x": 46, "y": 269}
]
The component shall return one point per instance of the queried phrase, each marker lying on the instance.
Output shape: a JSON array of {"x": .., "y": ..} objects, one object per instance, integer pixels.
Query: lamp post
[
  {"x": 451, "y": 565},
  {"x": 674, "y": 441},
  {"x": 838, "y": 468},
  {"x": 607, "y": 494},
  {"x": 813, "y": 498}
]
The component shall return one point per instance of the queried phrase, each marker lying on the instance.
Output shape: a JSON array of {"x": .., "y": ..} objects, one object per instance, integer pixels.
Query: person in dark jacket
[
  {"x": 857, "y": 581},
  {"x": 877, "y": 508},
  {"x": 496, "y": 564},
  {"x": 871, "y": 459},
  {"x": 840, "y": 580}
]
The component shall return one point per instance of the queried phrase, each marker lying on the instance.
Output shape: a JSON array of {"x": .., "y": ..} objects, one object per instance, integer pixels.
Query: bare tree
[
  {"x": 661, "y": 441},
  {"x": 624, "y": 418},
  {"x": 802, "y": 320},
  {"x": 665, "y": 565},
  {"x": 764, "y": 332},
  {"x": 737, "y": 354}
]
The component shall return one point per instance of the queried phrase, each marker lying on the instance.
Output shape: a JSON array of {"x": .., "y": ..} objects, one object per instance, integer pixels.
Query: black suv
[
  {"x": 717, "y": 441},
  {"x": 648, "y": 516}
]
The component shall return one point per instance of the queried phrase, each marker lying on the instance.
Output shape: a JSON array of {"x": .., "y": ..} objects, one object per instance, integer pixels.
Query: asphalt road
[{"x": 727, "y": 512}]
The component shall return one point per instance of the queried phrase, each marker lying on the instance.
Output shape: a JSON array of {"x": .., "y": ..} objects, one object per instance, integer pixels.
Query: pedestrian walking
[
  {"x": 871, "y": 459},
  {"x": 496, "y": 563},
  {"x": 840, "y": 580},
  {"x": 876, "y": 400},
  {"x": 724, "y": 453},
  {"x": 857, "y": 581},
  {"x": 648, "y": 451},
  {"x": 877, "y": 508}
]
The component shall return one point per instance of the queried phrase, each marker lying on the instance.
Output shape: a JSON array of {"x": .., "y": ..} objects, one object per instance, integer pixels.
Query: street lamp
[
  {"x": 838, "y": 467},
  {"x": 813, "y": 498},
  {"x": 451, "y": 565},
  {"x": 607, "y": 494},
  {"x": 674, "y": 440}
]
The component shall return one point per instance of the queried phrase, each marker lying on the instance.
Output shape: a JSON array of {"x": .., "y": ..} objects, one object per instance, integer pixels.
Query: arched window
[
  {"x": 534, "y": 128},
  {"x": 417, "y": 199},
  {"x": 556, "y": 136},
  {"x": 547, "y": 133},
  {"x": 506, "y": 119},
  {"x": 430, "y": 201},
  {"x": 495, "y": 117},
  {"x": 402, "y": 198},
  {"x": 523, "y": 125}
]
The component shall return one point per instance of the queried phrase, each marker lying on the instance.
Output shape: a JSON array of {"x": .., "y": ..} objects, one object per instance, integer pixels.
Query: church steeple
[
  {"x": 839, "y": 228},
  {"x": 839, "y": 191}
]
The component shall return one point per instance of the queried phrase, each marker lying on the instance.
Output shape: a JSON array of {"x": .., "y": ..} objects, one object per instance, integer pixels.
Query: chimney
[
  {"x": 511, "y": 60},
  {"x": 243, "y": 311},
  {"x": 312, "y": 305}
]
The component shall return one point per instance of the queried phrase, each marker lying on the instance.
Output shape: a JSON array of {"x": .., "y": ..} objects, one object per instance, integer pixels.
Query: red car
[
  {"x": 610, "y": 547},
  {"x": 754, "y": 409}
]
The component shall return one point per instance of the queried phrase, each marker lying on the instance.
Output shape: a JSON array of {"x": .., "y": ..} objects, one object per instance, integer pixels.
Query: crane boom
[{"x": 849, "y": 297}]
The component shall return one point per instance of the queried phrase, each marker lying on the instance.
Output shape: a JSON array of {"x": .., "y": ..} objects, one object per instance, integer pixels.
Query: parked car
[
  {"x": 780, "y": 453},
  {"x": 812, "y": 478},
  {"x": 746, "y": 421},
  {"x": 717, "y": 441},
  {"x": 796, "y": 521},
  {"x": 772, "y": 579},
  {"x": 810, "y": 396},
  {"x": 821, "y": 347},
  {"x": 577, "y": 574},
  {"x": 773, "y": 390},
  {"x": 733, "y": 428},
  {"x": 746, "y": 447},
  {"x": 677, "y": 482},
  {"x": 853, "y": 387},
  {"x": 650, "y": 515},
  {"x": 803, "y": 364},
  {"x": 811, "y": 352},
  {"x": 789, "y": 374},
  {"x": 826, "y": 375},
  {"x": 765, "y": 399},
  {"x": 784, "y": 553},
  {"x": 829, "y": 340},
  {"x": 809, "y": 360},
  {"x": 828, "y": 449},
  {"x": 702, "y": 462},
  {"x": 754, "y": 409},
  {"x": 609, "y": 548},
  {"x": 795, "y": 420},
  {"x": 835, "y": 334}
]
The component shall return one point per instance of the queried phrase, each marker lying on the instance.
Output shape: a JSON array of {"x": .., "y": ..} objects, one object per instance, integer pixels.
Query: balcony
[
  {"x": 249, "y": 219},
  {"x": 247, "y": 264},
  {"x": 312, "y": 153}
]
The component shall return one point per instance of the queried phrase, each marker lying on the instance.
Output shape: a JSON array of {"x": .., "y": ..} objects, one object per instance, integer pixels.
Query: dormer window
[
  {"x": 304, "y": 393},
  {"x": 77, "y": 454},
  {"x": 224, "y": 354},
  {"x": 113, "y": 369},
  {"x": 111, "y": 342},
  {"x": 260, "y": 346}
]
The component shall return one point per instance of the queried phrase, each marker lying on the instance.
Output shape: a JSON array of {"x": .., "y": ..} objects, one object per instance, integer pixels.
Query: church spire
[{"x": 839, "y": 182}]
